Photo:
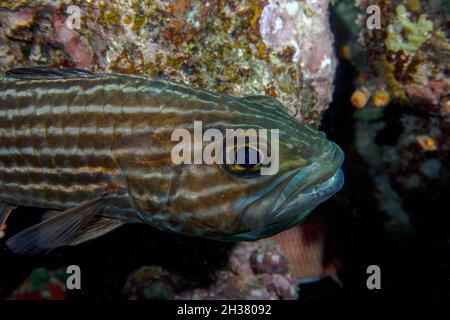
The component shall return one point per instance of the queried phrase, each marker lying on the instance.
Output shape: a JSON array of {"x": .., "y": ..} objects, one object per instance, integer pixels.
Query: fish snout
[{"x": 304, "y": 190}]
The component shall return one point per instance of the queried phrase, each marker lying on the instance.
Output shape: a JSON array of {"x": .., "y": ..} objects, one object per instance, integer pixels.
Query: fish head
[
  {"x": 304, "y": 170},
  {"x": 296, "y": 169}
]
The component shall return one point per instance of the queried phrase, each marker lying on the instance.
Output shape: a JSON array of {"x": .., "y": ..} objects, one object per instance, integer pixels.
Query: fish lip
[
  {"x": 319, "y": 173},
  {"x": 275, "y": 225},
  {"x": 292, "y": 213},
  {"x": 323, "y": 191}
]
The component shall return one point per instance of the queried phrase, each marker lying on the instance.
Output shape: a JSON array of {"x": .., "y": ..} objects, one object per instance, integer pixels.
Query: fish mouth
[
  {"x": 307, "y": 199},
  {"x": 321, "y": 179},
  {"x": 300, "y": 206},
  {"x": 302, "y": 192}
]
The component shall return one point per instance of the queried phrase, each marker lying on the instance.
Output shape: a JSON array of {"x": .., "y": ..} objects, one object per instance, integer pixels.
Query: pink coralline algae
[
  {"x": 285, "y": 23},
  {"x": 75, "y": 45},
  {"x": 256, "y": 270},
  {"x": 268, "y": 259}
]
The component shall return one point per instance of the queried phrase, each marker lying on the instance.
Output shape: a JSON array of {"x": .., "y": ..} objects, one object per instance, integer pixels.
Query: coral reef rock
[
  {"x": 257, "y": 270},
  {"x": 280, "y": 48},
  {"x": 408, "y": 56},
  {"x": 42, "y": 284}
]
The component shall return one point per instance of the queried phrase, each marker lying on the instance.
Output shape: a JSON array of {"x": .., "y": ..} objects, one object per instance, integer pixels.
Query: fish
[
  {"x": 309, "y": 248},
  {"x": 95, "y": 150}
]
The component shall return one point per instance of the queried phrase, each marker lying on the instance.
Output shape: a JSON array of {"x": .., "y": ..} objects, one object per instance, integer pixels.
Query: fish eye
[{"x": 247, "y": 161}]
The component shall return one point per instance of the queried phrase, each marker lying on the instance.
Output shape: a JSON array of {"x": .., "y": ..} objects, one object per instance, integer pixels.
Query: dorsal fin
[
  {"x": 37, "y": 73},
  {"x": 266, "y": 100}
]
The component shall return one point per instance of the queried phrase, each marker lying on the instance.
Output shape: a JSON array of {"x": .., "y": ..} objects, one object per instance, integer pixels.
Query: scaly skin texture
[{"x": 67, "y": 138}]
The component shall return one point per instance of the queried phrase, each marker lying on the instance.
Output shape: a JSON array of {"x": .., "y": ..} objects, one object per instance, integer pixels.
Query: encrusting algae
[
  {"x": 408, "y": 56},
  {"x": 250, "y": 47},
  {"x": 416, "y": 33}
]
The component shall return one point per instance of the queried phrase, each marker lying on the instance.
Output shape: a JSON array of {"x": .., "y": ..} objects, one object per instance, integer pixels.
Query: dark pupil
[{"x": 247, "y": 157}]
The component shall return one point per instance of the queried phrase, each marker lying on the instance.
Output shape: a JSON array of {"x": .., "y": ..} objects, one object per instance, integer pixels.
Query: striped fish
[{"x": 95, "y": 149}]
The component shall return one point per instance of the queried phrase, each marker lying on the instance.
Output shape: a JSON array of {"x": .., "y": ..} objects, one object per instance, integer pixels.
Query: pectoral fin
[
  {"x": 59, "y": 230},
  {"x": 94, "y": 229},
  {"x": 5, "y": 211},
  {"x": 97, "y": 227},
  {"x": 50, "y": 214}
]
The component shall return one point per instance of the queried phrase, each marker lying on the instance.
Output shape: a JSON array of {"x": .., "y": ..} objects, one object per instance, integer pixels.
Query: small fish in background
[
  {"x": 95, "y": 149},
  {"x": 305, "y": 248}
]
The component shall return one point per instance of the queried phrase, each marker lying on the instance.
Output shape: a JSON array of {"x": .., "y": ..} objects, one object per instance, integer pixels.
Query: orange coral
[
  {"x": 179, "y": 6},
  {"x": 271, "y": 91},
  {"x": 380, "y": 98},
  {"x": 426, "y": 143},
  {"x": 359, "y": 98}
]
